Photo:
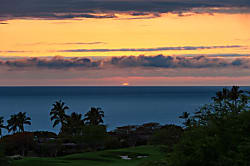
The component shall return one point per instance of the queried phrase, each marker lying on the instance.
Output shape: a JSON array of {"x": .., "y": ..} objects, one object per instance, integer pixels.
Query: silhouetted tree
[
  {"x": 22, "y": 120},
  {"x": 18, "y": 121},
  {"x": 185, "y": 116},
  {"x": 74, "y": 124},
  {"x": 58, "y": 115},
  {"x": 1, "y": 125},
  {"x": 238, "y": 98},
  {"x": 12, "y": 123},
  {"x": 94, "y": 116}
]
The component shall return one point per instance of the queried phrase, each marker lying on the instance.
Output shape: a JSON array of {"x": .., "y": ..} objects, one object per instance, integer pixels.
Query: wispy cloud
[
  {"x": 65, "y": 43},
  {"x": 81, "y": 43},
  {"x": 14, "y": 51},
  {"x": 152, "y": 49}
]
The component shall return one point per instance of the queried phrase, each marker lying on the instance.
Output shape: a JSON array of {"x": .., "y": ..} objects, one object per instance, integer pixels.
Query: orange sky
[
  {"x": 47, "y": 37},
  {"x": 72, "y": 37}
]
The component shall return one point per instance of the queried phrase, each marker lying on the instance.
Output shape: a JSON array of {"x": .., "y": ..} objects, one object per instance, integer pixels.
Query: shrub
[
  {"x": 168, "y": 135},
  {"x": 19, "y": 143}
]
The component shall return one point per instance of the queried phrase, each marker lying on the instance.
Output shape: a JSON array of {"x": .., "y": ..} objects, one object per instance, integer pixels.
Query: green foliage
[
  {"x": 167, "y": 135},
  {"x": 111, "y": 142},
  {"x": 218, "y": 134},
  {"x": 94, "y": 136},
  {"x": 226, "y": 104}
]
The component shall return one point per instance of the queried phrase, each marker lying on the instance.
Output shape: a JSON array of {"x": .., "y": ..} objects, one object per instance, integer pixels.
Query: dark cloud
[
  {"x": 218, "y": 55},
  {"x": 50, "y": 63},
  {"x": 46, "y": 9},
  {"x": 152, "y": 49},
  {"x": 159, "y": 61},
  {"x": 139, "y": 14},
  {"x": 229, "y": 10},
  {"x": 76, "y": 15},
  {"x": 142, "y": 16}
]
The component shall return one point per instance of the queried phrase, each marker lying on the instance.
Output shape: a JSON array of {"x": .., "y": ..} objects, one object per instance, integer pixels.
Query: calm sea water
[{"x": 122, "y": 105}]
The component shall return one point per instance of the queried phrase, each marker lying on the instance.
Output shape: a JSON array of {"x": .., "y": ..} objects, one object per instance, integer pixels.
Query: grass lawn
[{"x": 100, "y": 158}]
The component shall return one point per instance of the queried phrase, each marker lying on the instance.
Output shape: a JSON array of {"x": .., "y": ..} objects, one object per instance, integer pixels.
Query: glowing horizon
[{"x": 172, "y": 47}]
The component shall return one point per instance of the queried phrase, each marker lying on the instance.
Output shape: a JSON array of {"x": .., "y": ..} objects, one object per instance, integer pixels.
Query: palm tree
[
  {"x": 185, "y": 116},
  {"x": 229, "y": 100},
  {"x": 1, "y": 125},
  {"x": 12, "y": 123},
  {"x": 22, "y": 120},
  {"x": 94, "y": 116},
  {"x": 74, "y": 124},
  {"x": 58, "y": 115},
  {"x": 17, "y": 121},
  {"x": 234, "y": 95},
  {"x": 221, "y": 96}
]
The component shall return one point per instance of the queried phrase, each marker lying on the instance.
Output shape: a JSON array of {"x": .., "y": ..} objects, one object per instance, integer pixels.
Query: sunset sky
[{"x": 129, "y": 42}]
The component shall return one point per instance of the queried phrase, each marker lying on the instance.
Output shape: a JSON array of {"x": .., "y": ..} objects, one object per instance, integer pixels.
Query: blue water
[{"x": 122, "y": 105}]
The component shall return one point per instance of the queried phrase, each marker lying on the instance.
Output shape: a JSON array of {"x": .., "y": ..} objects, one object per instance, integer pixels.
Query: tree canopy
[
  {"x": 218, "y": 134},
  {"x": 94, "y": 116},
  {"x": 17, "y": 121},
  {"x": 58, "y": 114}
]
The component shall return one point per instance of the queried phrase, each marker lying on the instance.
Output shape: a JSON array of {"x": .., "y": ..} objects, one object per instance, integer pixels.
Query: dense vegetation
[{"x": 217, "y": 134}]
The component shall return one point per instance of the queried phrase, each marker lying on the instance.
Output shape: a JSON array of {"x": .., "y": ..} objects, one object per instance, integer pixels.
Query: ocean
[{"x": 121, "y": 105}]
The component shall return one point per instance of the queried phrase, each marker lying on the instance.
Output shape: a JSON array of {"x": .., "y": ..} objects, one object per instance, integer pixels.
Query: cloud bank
[
  {"x": 56, "y": 62},
  {"x": 65, "y": 9},
  {"x": 153, "y": 62},
  {"x": 137, "y": 70}
]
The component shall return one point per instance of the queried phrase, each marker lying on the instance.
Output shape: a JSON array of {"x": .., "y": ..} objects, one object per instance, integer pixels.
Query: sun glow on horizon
[
  {"x": 125, "y": 84},
  {"x": 91, "y": 51}
]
